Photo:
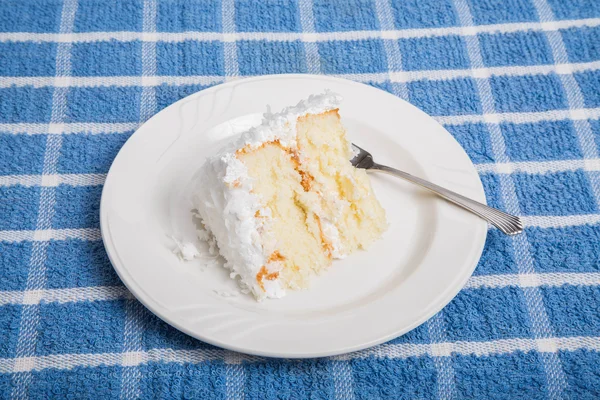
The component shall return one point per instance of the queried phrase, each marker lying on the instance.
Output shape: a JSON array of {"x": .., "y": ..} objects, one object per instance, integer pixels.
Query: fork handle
[{"x": 507, "y": 223}]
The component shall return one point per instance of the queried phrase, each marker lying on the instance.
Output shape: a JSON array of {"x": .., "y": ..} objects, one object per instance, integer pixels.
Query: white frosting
[
  {"x": 186, "y": 251},
  {"x": 227, "y": 207}
]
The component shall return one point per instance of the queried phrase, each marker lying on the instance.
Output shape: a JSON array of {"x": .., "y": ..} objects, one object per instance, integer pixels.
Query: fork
[{"x": 507, "y": 223}]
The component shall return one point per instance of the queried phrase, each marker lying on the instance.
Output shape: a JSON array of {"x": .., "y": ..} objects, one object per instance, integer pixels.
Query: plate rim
[{"x": 433, "y": 309}]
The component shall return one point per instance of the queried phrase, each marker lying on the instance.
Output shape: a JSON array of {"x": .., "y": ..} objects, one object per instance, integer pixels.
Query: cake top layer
[{"x": 281, "y": 126}]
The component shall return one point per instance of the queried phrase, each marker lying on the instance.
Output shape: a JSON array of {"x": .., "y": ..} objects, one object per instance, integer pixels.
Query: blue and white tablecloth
[{"x": 517, "y": 82}]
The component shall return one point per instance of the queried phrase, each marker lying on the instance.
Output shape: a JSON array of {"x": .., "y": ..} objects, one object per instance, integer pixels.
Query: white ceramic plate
[{"x": 423, "y": 260}]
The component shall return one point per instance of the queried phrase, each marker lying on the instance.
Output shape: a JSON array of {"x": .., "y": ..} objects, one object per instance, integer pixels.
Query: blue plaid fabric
[{"x": 517, "y": 82}]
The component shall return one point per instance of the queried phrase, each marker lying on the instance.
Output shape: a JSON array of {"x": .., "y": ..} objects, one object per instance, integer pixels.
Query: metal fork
[{"x": 507, "y": 223}]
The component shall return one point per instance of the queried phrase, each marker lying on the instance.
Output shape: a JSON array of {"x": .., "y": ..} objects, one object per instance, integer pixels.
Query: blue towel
[{"x": 517, "y": 82}]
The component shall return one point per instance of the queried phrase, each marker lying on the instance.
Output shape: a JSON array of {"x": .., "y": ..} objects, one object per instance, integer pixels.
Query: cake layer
[
  {"x": 297, "y": 245},
  {"x": 347, "y": 200}
]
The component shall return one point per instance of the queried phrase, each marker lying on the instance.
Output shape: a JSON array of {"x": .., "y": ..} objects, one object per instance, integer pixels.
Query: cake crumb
[
  {"x": 227, "y": 293},
  {"x": 186, "y": 251}
]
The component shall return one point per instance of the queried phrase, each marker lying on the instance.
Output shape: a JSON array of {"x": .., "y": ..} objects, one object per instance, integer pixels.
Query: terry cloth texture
[{"x": 517, "y": 82}]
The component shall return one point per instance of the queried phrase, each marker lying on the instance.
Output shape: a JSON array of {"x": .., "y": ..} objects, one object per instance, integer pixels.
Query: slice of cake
[{"x": 284, "y": 200}]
